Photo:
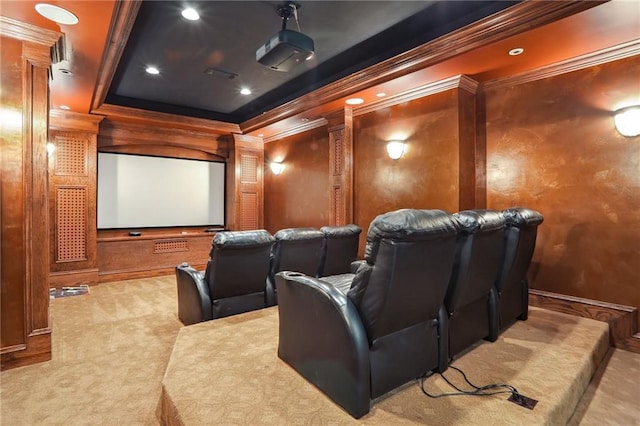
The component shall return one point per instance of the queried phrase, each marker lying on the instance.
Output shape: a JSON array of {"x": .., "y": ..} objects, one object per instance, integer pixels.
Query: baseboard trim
[
  {"x": 622, "y": 319},
  {"x": 67, "y": 278},
  {"x": 123, "y": 275}
]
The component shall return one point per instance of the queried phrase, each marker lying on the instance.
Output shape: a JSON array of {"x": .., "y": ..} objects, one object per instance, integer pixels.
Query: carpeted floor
[{"x": 111, "y": 349}]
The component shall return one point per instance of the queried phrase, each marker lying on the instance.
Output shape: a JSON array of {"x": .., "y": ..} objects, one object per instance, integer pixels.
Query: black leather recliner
[
  {"x": 387, "y": 329},
  {"x": 339, "y": 249},
  {"x": 295, "y": 249},
  {"x": 235, "y": 279},
  {"x": 521, "y": 229},
  {"x": 471, "y": 299}
]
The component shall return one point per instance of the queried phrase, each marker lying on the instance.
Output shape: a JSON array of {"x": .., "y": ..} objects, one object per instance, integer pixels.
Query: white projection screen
[{"x": 136, "y": 191}]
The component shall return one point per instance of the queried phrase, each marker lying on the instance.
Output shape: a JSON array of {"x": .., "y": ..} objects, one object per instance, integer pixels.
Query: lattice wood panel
[
  {"x": 71, "y": 224},
  {"x": 337, "y": 154},
  {"x": 248, "y": 168},
  {"x": 249, "y": 210},
  {"x": 170, "y": 246},
  {"x": 70, "y": 156},
  {"x": 337, "y": 205}
]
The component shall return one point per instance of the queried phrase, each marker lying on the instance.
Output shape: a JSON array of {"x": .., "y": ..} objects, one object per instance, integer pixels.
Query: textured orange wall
[
  {"x": 552, "y": 146},
  {"x": 299, "y": 197},
  {"x": 425, "y": 177}
]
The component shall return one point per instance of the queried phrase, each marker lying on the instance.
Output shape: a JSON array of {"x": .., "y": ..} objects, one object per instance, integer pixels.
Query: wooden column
[
  {"x": 72, "y": 198},
  {"x": 469, "y": 152},
  {"x": 245, "y": 183},
  {"x": 341, "y": 168},
  {"x": 24, "y": 249}
]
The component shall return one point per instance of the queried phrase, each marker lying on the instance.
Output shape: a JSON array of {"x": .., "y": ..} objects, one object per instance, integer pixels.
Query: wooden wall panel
[
  {"x": 300, "y": 196},
  {"x": 245, "y": 183},
  {"x": 25, "y": 331},
  {"x": 72, "y": 199},
  {"x": 552, "y": 146},
  {"x": 341, "y": 171}
]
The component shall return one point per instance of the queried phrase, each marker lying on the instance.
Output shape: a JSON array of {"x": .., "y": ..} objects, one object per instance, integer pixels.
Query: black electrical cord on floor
[{"x": 477, "y": 391}]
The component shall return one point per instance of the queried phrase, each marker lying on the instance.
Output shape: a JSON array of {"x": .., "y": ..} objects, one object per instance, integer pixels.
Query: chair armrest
[
  {"x": 322, "y": 337},
  {"x": 194, "y": 302},
  {"x": 356, "y": 264}
]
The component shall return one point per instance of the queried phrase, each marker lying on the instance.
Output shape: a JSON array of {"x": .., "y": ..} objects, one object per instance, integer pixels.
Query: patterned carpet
[
  {"x": 228, "y": 370},
  {"x": 111, "y": 349}
]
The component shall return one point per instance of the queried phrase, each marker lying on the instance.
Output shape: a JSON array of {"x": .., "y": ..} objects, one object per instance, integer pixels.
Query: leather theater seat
[
  {"x": 339, "y": 251},
  {"x": 471, "y": 299},
  {"x": 385, "y": 331},
  {"x": 235, "y": 279},
  {"x": 521, "y": 229},
  {"x": 295, "y": 249}
]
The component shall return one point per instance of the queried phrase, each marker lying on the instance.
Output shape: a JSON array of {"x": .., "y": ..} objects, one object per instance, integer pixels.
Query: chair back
[
  {"x": 297, "y": 250},
  {"x": 470, "y": 301},
  {"x": 521, "y": 229},
  {"x": 399, "y": 292},
  {"x": 239, "y": 263},
  {"x": 339, "y": 249}
]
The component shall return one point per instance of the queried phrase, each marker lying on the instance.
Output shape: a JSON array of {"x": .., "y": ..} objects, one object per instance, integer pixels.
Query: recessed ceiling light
[
  {"x": 517, "y": 51},
  {"x": 153, "y": 70},
  {"x": 304, "y": 119},
  {"x": 260, "y": 135},
  {"x": 354, "y": 101},
  {"x": 381, "y": 94},
  {"x": 65, "y": 71},
  {"x": 56, "y": 14},
  {"x": 190, "y": 14},
  {"x": 245, "y": 91},
  {"x": 65, "y": 107}
]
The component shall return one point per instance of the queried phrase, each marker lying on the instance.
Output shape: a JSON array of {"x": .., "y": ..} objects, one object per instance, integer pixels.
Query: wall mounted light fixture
[
  {"x": 395, "y": 149},
  {"x": 276, "y": 167},
  {"x": 627, "y": 121}
]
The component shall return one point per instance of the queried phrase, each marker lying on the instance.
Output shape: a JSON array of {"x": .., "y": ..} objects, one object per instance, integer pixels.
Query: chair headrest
[
  {"x": 257, "y": 238},
  {"x": 521, "y": 217},
  {"x": 478, "y": 220},
  {"x": 408, "y": 225},
  {"x": 292, "y": 234},
  {"x": 341, "y": 231}
]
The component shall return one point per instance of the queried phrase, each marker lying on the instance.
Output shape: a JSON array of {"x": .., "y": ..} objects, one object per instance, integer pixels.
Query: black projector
[{"x": 285, "y": 50}]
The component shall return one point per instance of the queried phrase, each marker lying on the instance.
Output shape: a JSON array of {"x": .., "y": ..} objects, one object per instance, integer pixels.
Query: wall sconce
[
  {"x": 395, "y": 149},
  {"x": 276, "y": 167},
  {"x": 627, "y": 121}
]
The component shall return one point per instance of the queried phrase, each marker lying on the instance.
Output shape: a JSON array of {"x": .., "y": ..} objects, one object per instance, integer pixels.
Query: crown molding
[
  {"x": 27, "y": 32},
  {"x": 456, "y": 82},
  {"x": 610, "y": 54},
  {"x": 69, "y": 120},
  {"x": 310, "y": 125}
]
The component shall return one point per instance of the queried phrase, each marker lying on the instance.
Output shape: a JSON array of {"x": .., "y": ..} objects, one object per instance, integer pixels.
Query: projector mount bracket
[{"x": 286, "y": 11}]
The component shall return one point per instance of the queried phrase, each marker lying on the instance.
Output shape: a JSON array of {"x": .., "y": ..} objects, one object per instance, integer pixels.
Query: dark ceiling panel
[{"x": 205, "y": 63}]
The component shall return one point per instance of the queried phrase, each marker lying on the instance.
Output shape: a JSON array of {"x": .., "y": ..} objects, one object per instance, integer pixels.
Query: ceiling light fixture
[
  {"x": 381, "y": 94},
  {"x": 56, "y": 14},
  {"x": 64, "y": 107},
  {"x": 354, "y": 101},
  {"x": 152, "y": 70},
  {"x": 516, "y": 51},
  {"x": 190, "y": 14},
  {"x": 245, "y": 91}
]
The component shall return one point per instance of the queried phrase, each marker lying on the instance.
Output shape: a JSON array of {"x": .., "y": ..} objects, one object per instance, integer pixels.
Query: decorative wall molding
[
  {"x": 455, "y": 82},
  {"x": 621, "y": 319},
  {"x": 27, "y": 32},
  {"x": 69, "y": 120},
  {"x": 603, "y": 56},
  {"x": 310, "y": 125}
]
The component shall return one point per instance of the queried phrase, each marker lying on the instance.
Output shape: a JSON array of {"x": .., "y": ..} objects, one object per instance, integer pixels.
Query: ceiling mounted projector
[{"x": 287, "y": 48}]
